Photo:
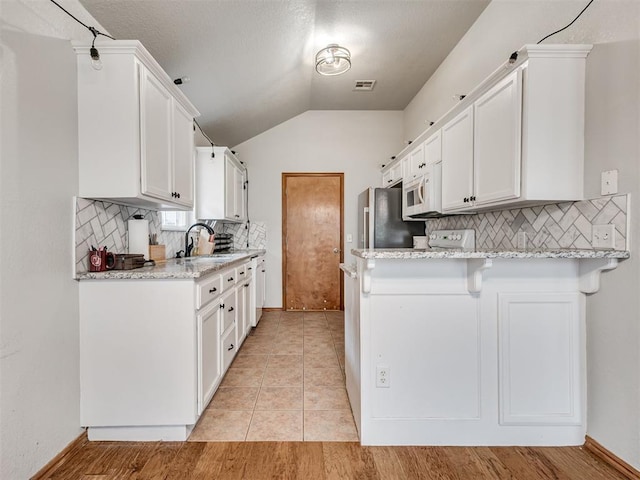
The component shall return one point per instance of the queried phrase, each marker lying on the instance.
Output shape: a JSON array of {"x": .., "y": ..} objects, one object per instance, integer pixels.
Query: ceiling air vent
[{"x": 364, "y": 85}]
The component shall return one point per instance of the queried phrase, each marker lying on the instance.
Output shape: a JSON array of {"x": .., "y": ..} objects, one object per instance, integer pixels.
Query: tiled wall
[
  {"x": 553, "y": 226},
  {"x": 105, "y": 224}
]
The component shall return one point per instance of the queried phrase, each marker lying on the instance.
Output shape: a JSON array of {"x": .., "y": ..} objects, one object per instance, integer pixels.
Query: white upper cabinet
[
  {"x": 220, "y": 185},
  {"x": 414, "y": 163},
  {"x": 496, "y": 137},
  {"x": 520, "y": 139},
  {"x": 433, "y": 148},
  {"x": 135, "y": 130},
  {"x": 183, "y": 155},
  {"x": 457, "y": 161},
  {"x": 392, "y": 174}
]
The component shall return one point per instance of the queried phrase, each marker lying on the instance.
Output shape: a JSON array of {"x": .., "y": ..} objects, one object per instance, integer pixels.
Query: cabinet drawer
[
  {"x": 229, "y": 308},
  {"x": 229, "y": 279},
  {"x": 242, "y": 272},
  {"x": 229, "y": 348},
  {"x": 207, "y": 290}
]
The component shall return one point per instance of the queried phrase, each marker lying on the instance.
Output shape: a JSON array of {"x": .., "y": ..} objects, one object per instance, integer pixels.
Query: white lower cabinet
[
  {"x": 209, "y": 358},
  {"x": 154, "y": 351},
  {"x": 260, "y": 289}
]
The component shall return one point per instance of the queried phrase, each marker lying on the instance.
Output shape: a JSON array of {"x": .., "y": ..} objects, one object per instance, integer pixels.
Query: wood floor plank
[
  {"x": 387, "y": 463},
  {"x": 525, "y": 464},
  {"x": 186, "y": 460},
  {"x": 489, "y": 464},
  {"x": 347, "y": 461},
  {"x": 468, "y": 464},
  {"x": 324, "y": 461},
  {"x": 580, "y": 464},
  {"x": 159, "y": 462}
]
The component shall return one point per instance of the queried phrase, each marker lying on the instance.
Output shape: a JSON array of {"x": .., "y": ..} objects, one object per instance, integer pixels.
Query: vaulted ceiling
[{"x": 251, "y": 62}]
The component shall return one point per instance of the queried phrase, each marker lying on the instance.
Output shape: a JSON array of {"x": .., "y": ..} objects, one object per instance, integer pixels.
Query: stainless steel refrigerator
[{"x": 380, "y": 223}]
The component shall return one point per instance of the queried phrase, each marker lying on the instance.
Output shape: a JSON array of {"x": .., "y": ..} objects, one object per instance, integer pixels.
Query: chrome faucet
[{"x": 187, "y": 249}]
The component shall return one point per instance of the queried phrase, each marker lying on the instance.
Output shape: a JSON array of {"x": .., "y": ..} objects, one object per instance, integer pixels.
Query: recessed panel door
[{"x": 312, "y": 241}]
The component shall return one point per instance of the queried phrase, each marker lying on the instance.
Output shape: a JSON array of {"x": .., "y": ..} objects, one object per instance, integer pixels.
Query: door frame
[{"x": 286, "y": 175}]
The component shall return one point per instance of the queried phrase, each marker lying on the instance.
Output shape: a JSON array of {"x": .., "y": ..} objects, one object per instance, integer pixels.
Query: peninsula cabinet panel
[
  {"x": 439, "y": 380},
  {"x": 540, "y": 358}
]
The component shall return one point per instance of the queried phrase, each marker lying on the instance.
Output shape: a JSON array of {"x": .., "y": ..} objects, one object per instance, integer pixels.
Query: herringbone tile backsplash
[
  {"x": 105, "y": 224},
  {"x": 552, "y": 226}
]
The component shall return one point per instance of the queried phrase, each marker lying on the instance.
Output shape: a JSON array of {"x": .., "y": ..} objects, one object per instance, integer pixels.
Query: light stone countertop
[
  {"x": 177, "y": 268},
  {"x": 351, "y": 270},
  {"x": 410, "y": 253}
]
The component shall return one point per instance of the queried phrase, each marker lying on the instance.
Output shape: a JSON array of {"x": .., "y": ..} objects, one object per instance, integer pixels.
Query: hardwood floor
[{"x": 323, "y": 460}]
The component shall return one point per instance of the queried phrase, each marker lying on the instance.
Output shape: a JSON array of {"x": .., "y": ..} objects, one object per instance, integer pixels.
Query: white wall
[
  {"x": 612, "y": 132},
  {"x": 353, "y": 142},
  {"x": 39, "y": 361}
]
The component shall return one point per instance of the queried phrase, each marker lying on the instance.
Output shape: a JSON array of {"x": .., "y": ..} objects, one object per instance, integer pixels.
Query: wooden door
[{"x": 312, "y": 219}]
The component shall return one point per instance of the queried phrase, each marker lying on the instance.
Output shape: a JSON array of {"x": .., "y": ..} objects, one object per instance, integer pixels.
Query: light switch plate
[
  {"x": 603, "y": 236},
  {"x": 609, "y": 184},
  {"x": 349, "y": 238}
]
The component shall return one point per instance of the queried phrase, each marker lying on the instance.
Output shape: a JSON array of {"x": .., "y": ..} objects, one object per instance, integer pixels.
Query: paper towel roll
[{"x": 138, "y": 236}]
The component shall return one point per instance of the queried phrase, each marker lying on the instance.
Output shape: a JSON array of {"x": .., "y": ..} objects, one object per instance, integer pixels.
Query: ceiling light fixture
[{"x": 333, "y": 60}]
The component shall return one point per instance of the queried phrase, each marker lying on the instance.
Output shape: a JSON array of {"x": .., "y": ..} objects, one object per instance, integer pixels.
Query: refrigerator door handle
[{"x": 365, "y": 227}]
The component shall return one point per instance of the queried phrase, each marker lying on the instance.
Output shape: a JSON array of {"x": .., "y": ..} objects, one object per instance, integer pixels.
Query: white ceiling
[{"x": 251, "y": 62}]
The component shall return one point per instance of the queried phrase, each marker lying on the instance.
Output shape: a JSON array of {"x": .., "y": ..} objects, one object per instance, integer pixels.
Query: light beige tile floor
[{"x": 285, "y": 384}]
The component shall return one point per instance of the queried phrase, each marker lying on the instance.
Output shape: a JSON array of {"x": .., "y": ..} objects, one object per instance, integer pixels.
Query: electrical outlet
[
  {"x": 603, "y": 236},
  {"x": 383, "y": 378},
  {"x": 522, "y": 240}
]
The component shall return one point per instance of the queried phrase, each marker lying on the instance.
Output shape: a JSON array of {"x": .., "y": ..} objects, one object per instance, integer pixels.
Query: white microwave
[{"x": 422, "y": 197}]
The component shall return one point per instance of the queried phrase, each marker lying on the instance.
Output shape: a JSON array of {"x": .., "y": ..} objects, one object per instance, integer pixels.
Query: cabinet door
[
  {"x": 183, "y": 155},
  {"x": 457, "y": 162},
  {"x": 239, "y": 195},
  {"x": 248, "y": 286},
  {"x": 155, "y": 137},
  {"x": 433, "y": 149},
  {"x": 241, "y": 330},
  {"x": 387, "y": 179},
  {"x": 229, "y": 189},
  {"x": 415, "y": 164},
  {"x": 209, "y": 368},
  {"x": 260, "y": 290},
  {"x": 497, "y": 134},
  {"x": 542, "y": 351}
]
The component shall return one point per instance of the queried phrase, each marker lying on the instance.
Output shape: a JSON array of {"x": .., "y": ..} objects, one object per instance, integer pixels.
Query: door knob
[{"x": 336, "y": 250}]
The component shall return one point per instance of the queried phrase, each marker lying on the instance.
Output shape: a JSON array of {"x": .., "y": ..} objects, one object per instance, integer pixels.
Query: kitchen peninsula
[
  {"x": 155, "y": 342},
  {"x": 469, "y": 348}
]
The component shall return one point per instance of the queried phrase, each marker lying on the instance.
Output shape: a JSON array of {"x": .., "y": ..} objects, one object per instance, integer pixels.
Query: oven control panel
[{"x": 453, "y": 239}]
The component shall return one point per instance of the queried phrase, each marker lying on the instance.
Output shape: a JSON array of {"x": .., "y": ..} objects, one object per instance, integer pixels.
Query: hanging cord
[
  {"x": 93, "y": 30},
  {"x": 564, "y": 28},
  {"x": 206, "y": 136},
  {"x": 514, "y": 55}
]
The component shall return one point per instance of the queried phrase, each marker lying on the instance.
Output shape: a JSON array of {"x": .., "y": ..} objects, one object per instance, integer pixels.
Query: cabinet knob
[
  {"x": 246, "y": 284},
  {"x": 465, "y": 200},
  {"x": 249, "y": 268},
  {"x": 237, "y": 216},
  {"x": 389, "y": 181},
  {"x": 230, "y": 347},
  {"x": 214, "y": 289},
  {"x": 222, "y": 305},
  {"x": 473, "y": 199},
  {"x": 177, "y": 195},
  {"x": 241, "y": 273},
  {"x": 230, "y": 279}
]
